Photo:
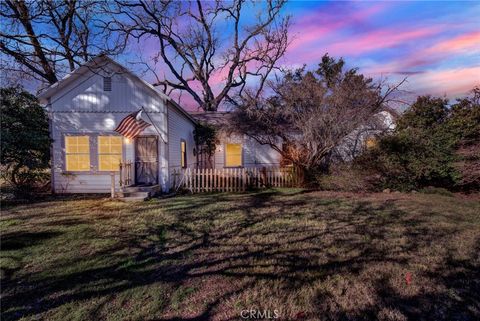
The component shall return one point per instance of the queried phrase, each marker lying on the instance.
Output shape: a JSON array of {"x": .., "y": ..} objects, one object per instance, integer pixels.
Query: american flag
[{"x": 132, "y": 125}]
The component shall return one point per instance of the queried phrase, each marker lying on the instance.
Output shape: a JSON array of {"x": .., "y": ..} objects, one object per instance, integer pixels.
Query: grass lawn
[{"x": 308, "y": 255}]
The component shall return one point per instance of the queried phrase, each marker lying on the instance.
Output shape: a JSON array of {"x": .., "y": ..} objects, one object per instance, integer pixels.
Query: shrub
[
  {"x": 436, "y": 190},
  {"x": 410, "y": 160},
  {"x": 25, "y": 143},
  {"x": 468, "y": 166},
  {"x": 464, "y": 125},
  {"x": 343, "y": 177},
  {"x": 434, "y": 144},
  {"x": 206, "y": 140}
]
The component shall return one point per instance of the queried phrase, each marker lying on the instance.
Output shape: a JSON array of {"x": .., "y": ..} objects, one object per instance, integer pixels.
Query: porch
[
  {"x": 204, "y": 180},
  {"x": 130, "y": 188}
]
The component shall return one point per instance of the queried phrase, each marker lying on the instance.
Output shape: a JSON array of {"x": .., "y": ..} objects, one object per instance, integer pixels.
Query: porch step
[
  {"x": 134, "y": 194},
  {"x": 146, "y": 188},
  {"x": 138, "y": 193},
  {"x": 134, "y": 198}
]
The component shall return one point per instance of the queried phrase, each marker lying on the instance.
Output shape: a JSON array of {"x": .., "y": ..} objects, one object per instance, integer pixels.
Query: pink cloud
[
  {"x": 469, "y": 43},
  {"x": 315, "y": 25},
  {"x": 451, "y": 82},
  {"x": 379, "y": 40},
  {"x": 463, "y": 44},
  {"x": 309, "y": 35}
]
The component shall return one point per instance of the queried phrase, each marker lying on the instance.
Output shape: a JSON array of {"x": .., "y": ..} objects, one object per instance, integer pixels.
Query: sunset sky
[{"x": 435, "y": 44}]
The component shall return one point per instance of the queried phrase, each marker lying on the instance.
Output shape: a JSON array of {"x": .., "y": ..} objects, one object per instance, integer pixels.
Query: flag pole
[{"x": 155, "y": 126}]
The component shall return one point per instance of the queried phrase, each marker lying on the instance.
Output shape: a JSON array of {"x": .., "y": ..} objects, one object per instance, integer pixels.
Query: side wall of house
[
  {"x": 84, "y": 108},
  {"x": 253, "y": 154},
  {"x": 180, "y": 128}
]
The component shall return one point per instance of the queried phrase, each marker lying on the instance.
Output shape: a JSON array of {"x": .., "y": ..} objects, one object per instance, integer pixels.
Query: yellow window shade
[
  {"x": 371, "y": 142},
  {"x": 77, "y": 144},
  {"x": 76, "y": 162},
  {"x": 109, "y": 162},
  {"x": 109, "y": 153},
  {"x": 77, "y": 153},
  {"x": 110, "y": 144},
  {"x": 183, "y": 154},
  {"x": 233, "y": 155}
]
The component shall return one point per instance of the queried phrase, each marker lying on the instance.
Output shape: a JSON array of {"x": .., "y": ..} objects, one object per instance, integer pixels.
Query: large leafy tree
[
  {"x": 310, "y": 113},
  {"x": 25, "y": 143}
]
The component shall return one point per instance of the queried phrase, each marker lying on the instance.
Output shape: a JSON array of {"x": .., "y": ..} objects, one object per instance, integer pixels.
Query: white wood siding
[
  {"x": 253, "y": 154},
  {"x": 179, "y": 127},
  {"x": 86, "y": 94},
  {"x": 83, "y": 108}
]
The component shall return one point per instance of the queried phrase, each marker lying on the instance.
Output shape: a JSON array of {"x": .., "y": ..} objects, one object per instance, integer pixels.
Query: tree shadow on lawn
[
  {"x": 325, "y": 259},
  {"x": 19, "y": 240}
]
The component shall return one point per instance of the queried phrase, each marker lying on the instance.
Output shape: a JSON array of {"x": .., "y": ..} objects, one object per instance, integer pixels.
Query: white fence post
[{"x": 112, "y": 184}]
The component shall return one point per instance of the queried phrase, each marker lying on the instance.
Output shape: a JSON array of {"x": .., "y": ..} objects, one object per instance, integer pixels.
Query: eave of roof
[
  {"x": 213, "y": 118},
  {"x": 96, "y": 62}
]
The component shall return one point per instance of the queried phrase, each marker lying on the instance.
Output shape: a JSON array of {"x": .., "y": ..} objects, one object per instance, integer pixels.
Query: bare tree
[
  {"x": 311, "y": 113},
  {"x": 200, "y": 41},
  {"x": 45, "y": 39}
]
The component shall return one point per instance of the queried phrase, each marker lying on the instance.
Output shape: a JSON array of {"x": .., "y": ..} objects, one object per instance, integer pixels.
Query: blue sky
[{"x": 435, "y": 43}]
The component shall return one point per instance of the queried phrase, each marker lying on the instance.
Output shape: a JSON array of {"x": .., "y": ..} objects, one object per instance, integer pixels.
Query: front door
[{"x": 146, "y": 160}]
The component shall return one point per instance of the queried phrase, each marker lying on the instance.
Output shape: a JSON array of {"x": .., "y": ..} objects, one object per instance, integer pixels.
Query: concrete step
[
  {"x": 138, "y": 193},
  {"x": 151, "y": 188},
  {"x": 134, "y": 199},
  {"x": 134, "y": 194}
]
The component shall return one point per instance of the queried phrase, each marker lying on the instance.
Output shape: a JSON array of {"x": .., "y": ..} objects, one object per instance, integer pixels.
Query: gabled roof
[{"x": 97, "y": 63}]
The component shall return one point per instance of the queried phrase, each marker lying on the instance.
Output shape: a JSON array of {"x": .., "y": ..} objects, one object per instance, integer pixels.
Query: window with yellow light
[
  {"x": 233, "y": 155},
  {"x": 371, "y": 142},
  {"x": 183, "y": 151},
  {"x": 77, "y": 153},
  {"x": 109, "y": 153}
]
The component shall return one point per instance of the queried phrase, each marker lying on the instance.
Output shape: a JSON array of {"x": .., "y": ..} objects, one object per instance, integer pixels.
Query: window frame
[
  {"x": 93, "y": 142},
  {"x": 65, "y": 154},
  {"x": 98, "y": 153},
  {"x": 183, "y": 155},
  {"x": 225, "y": 155}
]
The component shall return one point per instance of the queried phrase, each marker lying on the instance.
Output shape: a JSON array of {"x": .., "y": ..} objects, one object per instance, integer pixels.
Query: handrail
[{"x": 126, "y": 173}]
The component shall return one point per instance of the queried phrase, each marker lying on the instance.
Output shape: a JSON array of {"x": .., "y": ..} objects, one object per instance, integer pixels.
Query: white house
[
  {"x": 84, "y": 109},
  {"x": 235, "y": 150},
  {"x": 87, "y": 105}
]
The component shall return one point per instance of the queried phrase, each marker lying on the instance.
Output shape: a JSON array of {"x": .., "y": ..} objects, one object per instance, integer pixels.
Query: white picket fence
[{"x": 233, "y": 179}]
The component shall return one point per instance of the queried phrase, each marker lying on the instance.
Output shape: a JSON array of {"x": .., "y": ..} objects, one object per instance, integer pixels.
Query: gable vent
[{"x": 107, "y": 83}]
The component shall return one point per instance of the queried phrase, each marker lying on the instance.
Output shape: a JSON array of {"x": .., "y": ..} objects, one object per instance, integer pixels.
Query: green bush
[
  {"x": 433, "y": 145},
  {"x": 25, "y": 143},
  {"x": 346, "y": 178},
  {"x": 436, "y": 190}
]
